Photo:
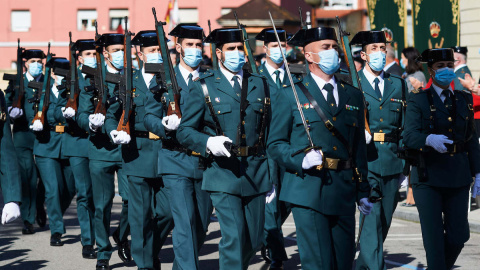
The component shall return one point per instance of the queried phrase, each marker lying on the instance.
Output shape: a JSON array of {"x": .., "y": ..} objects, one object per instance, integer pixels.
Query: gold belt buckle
[
  {"x": 60, "y": 129},
  {"x": 378, "y": 137},
  {"x": 152, "y": 136},
  {"x": 332, "y": 163},
  {"x": 243, "y": 151},
  {"x": 195, "y": 153}
]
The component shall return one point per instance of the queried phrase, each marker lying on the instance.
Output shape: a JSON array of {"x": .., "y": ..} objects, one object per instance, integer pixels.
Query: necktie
[
  {"x": 330, "y": 99},
  {"x": 236, "y": 85},
  {"x": 377, "y": 88},
  {"x": 448, "y": 99},
  {"x": 277, "y": 80},
  {"x": 189, "y": 79}
]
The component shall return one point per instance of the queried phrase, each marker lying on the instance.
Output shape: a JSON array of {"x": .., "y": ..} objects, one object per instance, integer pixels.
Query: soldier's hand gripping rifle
[
  {"x": 71, "y": 78},
  {"x": 126, "y": 87},
  {"x": 246, "y": 43},
  {"x": 17, "y": 79},
  {"x": 351, "y": 67},
  {"x": 171, "y": 85},
  {"x": 213, "y": 48},
  {"x": 42, "y": 88}
]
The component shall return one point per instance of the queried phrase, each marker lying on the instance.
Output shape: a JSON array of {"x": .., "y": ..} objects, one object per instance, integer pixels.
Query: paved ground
[{"x": 403, "y": 247}]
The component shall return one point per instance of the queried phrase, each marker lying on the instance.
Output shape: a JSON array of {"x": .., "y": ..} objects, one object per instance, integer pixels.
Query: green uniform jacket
[
  {"x": 10, "y": 181},
  {"x": 461, "y": 74},
  {"x": 246, "y": 176},
  {"x": 22, "y": 134},
  {"x": 139, "y": 157},
  {"x": 100, "y": 147},
  {"x": 443, "y": 170},
  {"x": 327, "y": 191},
  {"x": 384, "y": 115},
  {"x": 171, "y": 162}
]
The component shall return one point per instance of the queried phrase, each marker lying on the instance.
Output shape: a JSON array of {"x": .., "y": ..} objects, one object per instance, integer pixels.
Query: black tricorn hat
[
  {"x": 110, "y": 39},
  {"x": 268, "y": 35},
  {"x": 431, "y": 56},
  {"x": 306, "y": 36},
  {"x": 193, "y": 31},
  {"x": 368, "y": 37},
  {"x": 33, "y": 53},
  {"x": 84, "y": 45},
  {"x": 58, "y": 62},
  {"x": 226, "y": 35},
  {"x": 146, "y": 38},
  {"x": 462, "y": 50}
]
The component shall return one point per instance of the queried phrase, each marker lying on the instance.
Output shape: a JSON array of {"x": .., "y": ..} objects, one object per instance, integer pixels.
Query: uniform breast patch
[
  {"x": 396, "y": 100},
  {"x": 351, "y": 108}
]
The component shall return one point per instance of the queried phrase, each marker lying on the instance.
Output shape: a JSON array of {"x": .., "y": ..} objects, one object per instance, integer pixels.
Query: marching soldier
[
  {"x": 105, "y": 160},
  {"x": 23, "y": 138},
  {"x": 276, "y": 212},
  {"x": 460, "y": 65},
  {"x": 385, "y": 96},
  {"x": 322, "y": 185},
  {"x": 53, "y": 166},
  {"x": 229, "y": 130},
  {"x": 439, "y": 129},
  {"x": 139, "y": 160},
  {"x": 75, "y": 148},
  {"x": 179, "y": 167}
]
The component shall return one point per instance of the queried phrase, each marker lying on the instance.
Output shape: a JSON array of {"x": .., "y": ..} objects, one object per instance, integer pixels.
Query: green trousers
[
  {"x": 103, "y": 188},
  {"x": 150, "y": 219},
  {"x": 377, "y": 224},
  {"x": 444, "y": 221},
  {"x": 324, "y": 241},
  {"x": 59, "y": 189},
  {"x": 28, "y": 174},
  {"x": 241, "y": 225},
  {"x": 85, "y": 209},
  {"x": 191, "y": 209}
]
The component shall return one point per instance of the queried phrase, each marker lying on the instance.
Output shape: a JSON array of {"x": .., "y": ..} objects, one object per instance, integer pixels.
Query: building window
[
  {"x": 225, "y": 11},
  {"x": 86, "y": 19},
  {"x": 21, "y": 20},
  {"x": 188, "y": 15},
  {"x": 116, "y": 18},
  {"x": 341, "y": 4}
]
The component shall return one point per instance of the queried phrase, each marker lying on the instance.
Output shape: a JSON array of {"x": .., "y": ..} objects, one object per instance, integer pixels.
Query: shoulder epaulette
[
  {"x": 206, "y": 74},
  {"x": 396, "y": 76}
]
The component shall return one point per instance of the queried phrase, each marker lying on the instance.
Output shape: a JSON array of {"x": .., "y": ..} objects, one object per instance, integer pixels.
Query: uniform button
[
  {"x": 354, "y": 124},
  {"x": 381, "y": 119},
  {"x": 307, "y": 121},
  {"x": 380, "y": 131},
  {"x": 218, "y": 112},
  {"x": 243, "y": 122},
  {"x": 334, "y": 148},
  {"x": 421, "y": 149},
  {"x": 244, "y": 136},
  {"x": 449, "y": 119},
  {"x": 334, "y": 118},
  {"x": 333, "y": 133},
  {"x": 450, "y": 130},
  {"x": 380, "y": 99},
  {"x": 380, "y": 107}
]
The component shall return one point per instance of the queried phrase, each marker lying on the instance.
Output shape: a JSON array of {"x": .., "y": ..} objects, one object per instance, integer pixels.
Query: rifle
[
  {"x": 18, "y": 88},
  {"x": 71, "y": 78},
  {"x": 45, "y": 88},
  {"x": 251, "y": 61},
  {"x": 351, "y": 66},
  {"x": 171, "y": 85},
  {"x": 125, "y": 88},
  {"x": 213, "y": 48}
]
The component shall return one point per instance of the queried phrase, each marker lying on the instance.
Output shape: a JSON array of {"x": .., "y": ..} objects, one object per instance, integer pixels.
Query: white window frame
[
  {"x": 117, "y": 14},
  {"x": 188, "y": 15},
  {"x": 20, "y": 20},
  {"x": 90, "y": 15}
]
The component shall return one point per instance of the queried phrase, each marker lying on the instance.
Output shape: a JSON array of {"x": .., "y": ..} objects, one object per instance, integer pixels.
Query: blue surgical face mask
[
  {"x": 154, "y": 58},
  {"x": 117, "y": 59},
  {"x": 58, "y": 79},
  {"x": 35, "y": 69},
  {"x": 193, "y": 57},
  {"x": 402, "y": 64},
  {"x": 90, "y": 62},
  {"x": 234, "y": 60},
  {"x": 377, "y": 61},
  {"x": 444, "y": 76},
  {"x": 329, "y": 62},
  {"x": 276, "y": 54}
]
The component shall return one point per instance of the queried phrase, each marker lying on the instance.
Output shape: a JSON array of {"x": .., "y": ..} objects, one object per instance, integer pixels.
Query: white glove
[
  {"x": 37, "y": 125},
  {"x": 96, "y": 121},
  {"x": 120, "y": 137},
  {"x": 68, "y": 112},
  {"x": 216, "y": 147},
  {"x": 365, "y": 206},
  {"x": 368, "y": 137},
  {"x": 312, "y": 158},
  {"x": 438, "y": 142},
  {"x": 402, "y": 181},
  {"x": 11, "y": 211},
  {"x": 476, "y": 186},
  {"x": 270, "y": 195},
  {"x": 171, "y": 122},
  {"x": 15, "y": 112}
]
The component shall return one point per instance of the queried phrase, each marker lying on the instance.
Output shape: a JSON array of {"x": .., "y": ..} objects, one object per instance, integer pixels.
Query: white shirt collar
[
  {"x": 439, "y": 91},
  {"x": 371, "y": 78},
  {"x": 185, "y": 73},
  {"x": 229, "y": 75},
  {"x": 147, "y": 77},
  {"x": 55, "y": 90},
  {"x": 271, "y": 71},
  {"x": 112, "y": 70},
  {"x": 459, "y": 67},
  {"x": 30, "y": 77},
  {"x": 321, "y": 83},
  {"x": 389, "y": 65}
]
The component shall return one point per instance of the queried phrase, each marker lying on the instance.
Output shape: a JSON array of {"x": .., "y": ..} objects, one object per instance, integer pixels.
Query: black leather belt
[
  {"x": 385, "y": 137},
  {"x": 174, "y": 146},
  {"x": 145, "y": 135},
  {"x": 246, "y": 151},
  {"x": 337, "y": 164},
  {"x": 455, "y": 148}
]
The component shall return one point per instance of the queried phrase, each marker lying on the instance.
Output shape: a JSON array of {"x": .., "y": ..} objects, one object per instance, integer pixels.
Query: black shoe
[
  {"x": 88, "y": 252},
  {"x": 41, "y": 217},
  {"x": 157, "y": 265},
  {"x": 102, "y": 265},
  {"x": 276, "y": 265},
  {"x": 124, "y": 252},
  {"x": 266, "y": 254},
  {"x": 116, "y": 236},
  {"x": 28, "y": 228},
  {"x": 56, "y": 240}
]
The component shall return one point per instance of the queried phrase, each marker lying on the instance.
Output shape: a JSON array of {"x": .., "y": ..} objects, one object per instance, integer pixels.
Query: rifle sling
[{"x": 241, "y": 137}]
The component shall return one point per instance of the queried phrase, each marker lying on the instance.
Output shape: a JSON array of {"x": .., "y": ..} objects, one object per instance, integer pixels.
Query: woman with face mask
[
  {"x": 439, "y": 128},
  {"x": 413, "y": 69}
]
